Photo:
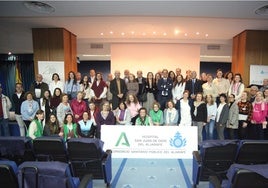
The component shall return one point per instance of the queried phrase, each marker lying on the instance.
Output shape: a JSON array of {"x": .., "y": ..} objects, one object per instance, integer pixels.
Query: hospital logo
[
  {"x": 122, "y": 140},
  {"x": 177, "y": 141}
]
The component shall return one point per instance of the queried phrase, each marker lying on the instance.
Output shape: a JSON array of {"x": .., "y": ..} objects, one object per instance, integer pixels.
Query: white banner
[
  {"x": 48, "y": 68},
  {"x": 258, "y": 73},
  {"x": 150, "y": 141}
]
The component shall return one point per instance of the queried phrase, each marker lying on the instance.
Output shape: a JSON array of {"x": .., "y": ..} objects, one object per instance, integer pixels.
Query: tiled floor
[{"x": 151, "y": 173}]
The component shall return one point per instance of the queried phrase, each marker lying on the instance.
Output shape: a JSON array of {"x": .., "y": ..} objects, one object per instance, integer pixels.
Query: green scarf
[
  {"x": 39, "y": 131},
  {"x": 66, "y": 131}
]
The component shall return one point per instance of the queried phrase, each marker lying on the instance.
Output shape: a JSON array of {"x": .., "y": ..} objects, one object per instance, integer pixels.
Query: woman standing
[
  {"x": 199, "y": 115},
  {"x": 132, "y": 85},
  {"x": 71, "y": 87},
  {"x": 244, "y": 117},
  {"x": 133, "y": 106},
  {"x": 232, "y": 124},
  {"x": 209, "y": 87},
  {"x": 63, "y": 109},
  {"x": 178, "y": 89},
  {"x": 52, "y": 127},
  {"x": 45, "y": 105},
  {"x": 104, "y": 117},
  {"x": 150, "y": 89},
  {"x": 69, "y": 128},
  {"x": 36, "y": 127},
  {"x": 100, "y": 89},
  {"x": 143, "y": 119},
  {"x": 78, "y": 107},
  {"x": 156, "y": 114},
  {"x": 85, "y": 87},
  {"x": 29, "y": 108},
  {"x": 237, "y": 87},
  {"x": 258, "y": 120},
  {"x": 122, "y": 115},
  {"x": 222, "y": 85},
  {"x": 55, "y": 100},
  {"x": 222, "y": 116},
  {"x": 170, "y": 114},
  {"x": 184, "y": 106},
  {"x": 212, "y": 110},
  {"x": 92, "y": 112},
  {"x": 56, "y": 83},
  {"x": 85, "y": 127}
]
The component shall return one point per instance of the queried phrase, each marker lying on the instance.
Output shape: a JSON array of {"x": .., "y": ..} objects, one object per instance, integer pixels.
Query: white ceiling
[{"x": 108, "y": 22}]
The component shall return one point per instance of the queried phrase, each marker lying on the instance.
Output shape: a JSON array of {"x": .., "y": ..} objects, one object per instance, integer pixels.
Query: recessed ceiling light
[
  {"x": 132, "y": 32},
  {"x": 197, "y": 33},
  {"x": 143, "y": 34},
  {"x": 9, "y": 53},
  {"x": 262, "y": 10},
  {"x": 206, "y": 35},
  {"x": 176, "y": 32},
  {"x": 122, "y": 33},
  {"x": 165, "y": 34},
  {"x": 39, "y": 7},
  {"x": 154, "y": 33},
  {"x": 101, "y": 34},
  {"x": 185, "y": 34},
  {"x": 111, "y": 32}
]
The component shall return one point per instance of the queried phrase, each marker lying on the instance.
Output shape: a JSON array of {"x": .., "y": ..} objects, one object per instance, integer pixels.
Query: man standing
[
  {"x": 194, "y": 85},
  {"x": 118, "y": 88},
  {"x": 141, "y": 81},
  {"x": 92, "y": 76},
  {"x": 5, "y": 106},
  {"x": 164, "y": 87},
  {"x": 38, "y": 87}
]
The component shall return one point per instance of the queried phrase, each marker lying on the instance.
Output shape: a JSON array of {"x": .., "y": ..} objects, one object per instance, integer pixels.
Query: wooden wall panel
[
  {"x": 55, "y": 44},
  {"x": 249, "y": 48}
]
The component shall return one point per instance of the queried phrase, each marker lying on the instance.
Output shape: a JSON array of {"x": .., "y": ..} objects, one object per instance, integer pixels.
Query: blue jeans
[
  {"x": 4, "y": 127},
  {"x": 210, "y": 129}
]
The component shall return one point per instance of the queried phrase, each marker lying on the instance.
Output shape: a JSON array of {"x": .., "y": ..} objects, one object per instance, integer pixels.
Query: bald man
[
  {"x": 118, "y": 88},
  {"x": 38, "y": 87}
]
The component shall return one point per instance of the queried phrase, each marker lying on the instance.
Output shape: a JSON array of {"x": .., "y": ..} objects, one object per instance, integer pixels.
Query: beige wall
[{"x": 154, "y": 57}]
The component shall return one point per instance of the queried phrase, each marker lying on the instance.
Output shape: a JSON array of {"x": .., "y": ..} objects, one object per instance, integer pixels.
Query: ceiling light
[
  {"x": 9, "y": 53},
  {"x": 101, "y": 34},
  {"x": 206, "y": 35},
  {"x": 123, "y": 34},
  {"x": 197, "y": 33},
  {"x": 39, "y": 7},
  {"x": 176, "y": 32},
  {"x": 154, "y": 33},
  {"x": 132, "y": 32},
  {"x": 262, "y": 10},
  {"x": 96, "y": 55},
  {"x": 111, "y": 32},
  {"x": 143, "y": 34},
  {"x": 165, "y": 34},
  {"x": 185, "y": 34}
]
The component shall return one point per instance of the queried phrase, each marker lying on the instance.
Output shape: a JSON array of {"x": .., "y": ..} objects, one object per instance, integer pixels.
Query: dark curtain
[{"x": 8, "y": 71}]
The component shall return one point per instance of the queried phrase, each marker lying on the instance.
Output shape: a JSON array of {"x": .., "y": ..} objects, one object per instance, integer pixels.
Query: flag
[{"x": 18, "y": 72}]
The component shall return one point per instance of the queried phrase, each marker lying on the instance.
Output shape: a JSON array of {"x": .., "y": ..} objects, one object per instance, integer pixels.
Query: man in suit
[
  {"x": 118, "y": 88},
  {"x": 164, "y": 87},
  {"x": 38, "y": 87},
  {"x": 194, "y": 85}
]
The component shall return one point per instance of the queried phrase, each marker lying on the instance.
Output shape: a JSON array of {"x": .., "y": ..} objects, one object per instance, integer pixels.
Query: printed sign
[
  {"x": 150, "y": 141},
  {"x": 258, "y": 73}
]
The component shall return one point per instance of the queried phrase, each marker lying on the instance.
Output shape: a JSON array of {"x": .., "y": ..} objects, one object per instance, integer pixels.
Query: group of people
[{"x": 81, "y": 105}]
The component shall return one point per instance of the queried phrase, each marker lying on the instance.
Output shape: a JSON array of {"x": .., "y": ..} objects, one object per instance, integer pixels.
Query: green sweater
[
  {"x": 39, "y": 130},
  {"x": 146, "y": 122},
  {"x": 66, "y": 131},
  {"x": 157, "y": 117}
]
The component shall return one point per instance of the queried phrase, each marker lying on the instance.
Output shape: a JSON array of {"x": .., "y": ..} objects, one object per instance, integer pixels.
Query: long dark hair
[{"x": 69, "y": 78}]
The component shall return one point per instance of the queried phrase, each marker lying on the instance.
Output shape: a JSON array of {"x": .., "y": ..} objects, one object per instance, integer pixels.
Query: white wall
[{"x": 154, "y": 57}]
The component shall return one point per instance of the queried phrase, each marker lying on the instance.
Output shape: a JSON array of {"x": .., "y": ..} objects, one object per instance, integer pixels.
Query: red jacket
[{"x": 78, "y": 108}]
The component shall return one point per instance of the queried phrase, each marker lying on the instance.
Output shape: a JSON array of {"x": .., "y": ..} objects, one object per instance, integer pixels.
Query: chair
[
  {"x": 50, "y": 149},
  {"x": 87, "y": 157},
  {"x": 215, "y": 157},
  {"x": 16, "y": 148},
  {"x": 8, "y": 171},
  {"x": 252, "y": 152},
  {"x": 243, "y": 176},
  {"x": 57, "y": 174}
]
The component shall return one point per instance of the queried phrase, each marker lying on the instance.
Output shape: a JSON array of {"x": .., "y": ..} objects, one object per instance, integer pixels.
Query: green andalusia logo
[{"x": 122, "y": 140}]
